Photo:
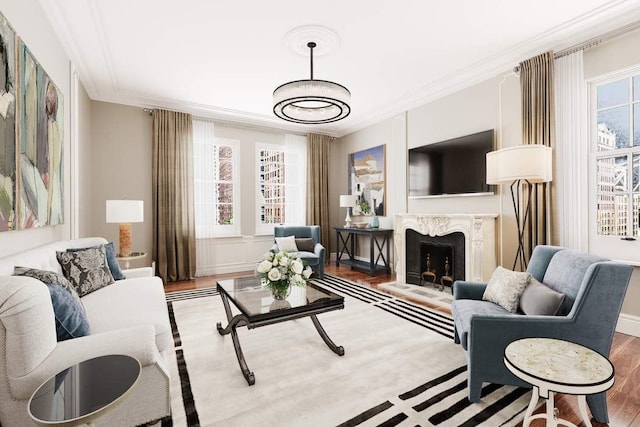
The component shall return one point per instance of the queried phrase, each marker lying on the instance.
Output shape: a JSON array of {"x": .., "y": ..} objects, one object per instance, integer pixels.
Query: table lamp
[
  {"x": 347, "y": 201},
  {"x": 530, "y": 163},
  {"x": 124, "y": 212}
]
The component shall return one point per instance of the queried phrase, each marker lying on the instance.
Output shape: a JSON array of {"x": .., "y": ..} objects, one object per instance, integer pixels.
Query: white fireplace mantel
[{"x": 479, "y": 239}]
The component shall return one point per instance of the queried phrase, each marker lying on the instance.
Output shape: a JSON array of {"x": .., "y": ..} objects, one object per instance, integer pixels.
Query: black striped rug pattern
[{"x": 419, "y": 397}]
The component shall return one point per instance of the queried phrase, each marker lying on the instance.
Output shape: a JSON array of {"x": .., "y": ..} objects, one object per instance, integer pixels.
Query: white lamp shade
[
  {"x": 121, "y": 211},
  {"x": 347, "y": 201},
  {"x": 532, "y": 162}
]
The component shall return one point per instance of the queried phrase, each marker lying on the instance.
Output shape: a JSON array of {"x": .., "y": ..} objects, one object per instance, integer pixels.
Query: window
[
  {"x": 281, "y": 172},
  {"x": 216, "y": 183},
  {"x": 616, "y": 162}
]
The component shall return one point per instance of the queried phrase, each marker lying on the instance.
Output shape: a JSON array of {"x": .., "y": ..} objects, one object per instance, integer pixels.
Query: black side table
[
  {"x": 378, "y": 238},
  {"x": 83, "y": 392}
]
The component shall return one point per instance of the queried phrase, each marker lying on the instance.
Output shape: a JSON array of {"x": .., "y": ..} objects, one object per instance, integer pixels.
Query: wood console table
[{"x": 378, "y": 237}]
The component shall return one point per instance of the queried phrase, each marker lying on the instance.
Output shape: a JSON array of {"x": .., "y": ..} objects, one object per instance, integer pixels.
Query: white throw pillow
[
  {"x": 505, "y": 288},
  {"x": 287, "y": 244}
]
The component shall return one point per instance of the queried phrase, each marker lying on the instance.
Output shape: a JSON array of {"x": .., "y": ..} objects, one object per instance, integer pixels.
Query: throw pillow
[
  {"x": 305, "y": 245},
  {"x": 505, "y": 288},
  {"x": 87, "y": 270},
  {"x": 538, "y": 299},
  {"x": 112, "y": 261},
  {"x": 287, "y": 244},
  {"x": 71, "y": 319},
  {"x": 49, "y": 278}
]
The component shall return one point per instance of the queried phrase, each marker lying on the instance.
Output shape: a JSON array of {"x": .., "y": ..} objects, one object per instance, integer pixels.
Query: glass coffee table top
[
  {"x": 84, "y": 391},
  {"x": 257, "y": 303}
]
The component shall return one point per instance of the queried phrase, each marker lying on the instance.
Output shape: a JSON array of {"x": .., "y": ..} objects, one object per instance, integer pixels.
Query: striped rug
[{"x": 400, "y": 368}]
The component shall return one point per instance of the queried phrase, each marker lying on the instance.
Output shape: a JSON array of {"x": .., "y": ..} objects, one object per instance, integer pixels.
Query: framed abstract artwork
[
  {"x": 8, "y": 94},
  {"x": 367, "y": 180},
  {"x": 41, "y": 127}
]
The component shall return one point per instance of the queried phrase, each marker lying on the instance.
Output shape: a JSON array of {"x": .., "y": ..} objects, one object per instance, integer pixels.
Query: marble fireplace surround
[{"x": 479, "y": 239}]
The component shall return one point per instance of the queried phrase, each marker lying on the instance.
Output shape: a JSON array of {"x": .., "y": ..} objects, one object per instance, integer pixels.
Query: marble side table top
[{"x": 559, "y": 362}]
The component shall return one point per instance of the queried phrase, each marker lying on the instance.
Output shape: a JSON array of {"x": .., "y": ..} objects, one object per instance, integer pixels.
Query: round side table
[
  {"x": 83, "y": 392},
  {"x": 132, "y": 257},
  {"x": 556, "y": 366}
]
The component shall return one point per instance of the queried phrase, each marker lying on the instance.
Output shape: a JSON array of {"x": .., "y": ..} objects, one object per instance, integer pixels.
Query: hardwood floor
[{"x": 623, "y": 398}]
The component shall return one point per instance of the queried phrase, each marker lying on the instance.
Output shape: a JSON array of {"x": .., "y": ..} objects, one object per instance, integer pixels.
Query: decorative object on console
[
  {"x": 367, "y": 180},
  {"x": 530, "y": 164},
  {"x": 279, "y": 271},
  {"x": 124, "y": 212},
  {"x": 311, "y": 101},
  {"x": 347, "y": 201}
]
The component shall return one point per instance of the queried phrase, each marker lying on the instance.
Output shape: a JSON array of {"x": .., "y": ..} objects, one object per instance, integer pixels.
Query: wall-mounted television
[{"x": 455, "y": 166}]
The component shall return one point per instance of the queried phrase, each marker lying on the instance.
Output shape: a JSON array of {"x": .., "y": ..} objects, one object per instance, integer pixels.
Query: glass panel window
[
  {"x": 617, "y": 158},
  {"x": 613, "y": 126},
  {"x": 614, "y": 93},
  {"x": 271, "y": 165},
  {"x": 216, "y": 183}
]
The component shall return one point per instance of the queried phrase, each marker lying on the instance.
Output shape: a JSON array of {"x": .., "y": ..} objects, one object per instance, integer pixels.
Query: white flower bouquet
[{"x": 279, "y": 271}]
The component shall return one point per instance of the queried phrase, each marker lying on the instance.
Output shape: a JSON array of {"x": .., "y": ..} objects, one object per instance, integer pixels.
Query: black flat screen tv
[{"x": 455, "y": 166}]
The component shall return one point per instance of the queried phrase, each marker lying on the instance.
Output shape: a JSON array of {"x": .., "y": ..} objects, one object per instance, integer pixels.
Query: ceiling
[{"x": 223, "y": 59}]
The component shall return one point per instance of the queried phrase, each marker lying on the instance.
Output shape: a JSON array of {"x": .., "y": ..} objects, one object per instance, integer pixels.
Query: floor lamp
[{"x": 529, "y": 164}]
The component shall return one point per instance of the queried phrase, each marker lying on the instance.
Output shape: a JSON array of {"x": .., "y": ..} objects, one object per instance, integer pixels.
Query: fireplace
[
  {"x": 445, "y": 255},
  {"x": 469, "y": 237}
]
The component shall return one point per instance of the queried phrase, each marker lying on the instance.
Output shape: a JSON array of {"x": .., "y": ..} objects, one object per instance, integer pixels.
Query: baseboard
[
  {"x": 226, "y": 269},
  {"x": 628, "y": 324}
]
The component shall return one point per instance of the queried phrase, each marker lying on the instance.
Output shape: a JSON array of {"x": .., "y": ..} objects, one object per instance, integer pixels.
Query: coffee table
[
  {"x": 83, "y": 392},
  {"x": 258, "y": 308},
  {"x": 557, "y": 366}
]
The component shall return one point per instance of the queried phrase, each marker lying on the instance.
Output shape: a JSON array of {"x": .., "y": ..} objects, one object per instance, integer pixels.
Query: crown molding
[{"x": 612, "y": 15}]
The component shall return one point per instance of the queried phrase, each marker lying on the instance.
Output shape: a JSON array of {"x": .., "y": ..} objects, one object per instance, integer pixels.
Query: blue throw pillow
[
  {"x": 112, "y": 262},
  {"x": 71, "y": 320}
]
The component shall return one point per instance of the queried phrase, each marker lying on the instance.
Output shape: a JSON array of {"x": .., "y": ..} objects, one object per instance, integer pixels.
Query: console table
[{"x": 378, "y": 238}]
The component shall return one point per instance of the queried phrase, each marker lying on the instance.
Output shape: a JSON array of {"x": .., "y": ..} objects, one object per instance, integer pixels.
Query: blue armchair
[
  {"x": 315, "y": 259},
  {"x": 594, "y": 289}
]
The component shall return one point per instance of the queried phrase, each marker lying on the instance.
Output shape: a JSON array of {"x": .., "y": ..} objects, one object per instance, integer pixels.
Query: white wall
[{"x": 31, "y": 24}]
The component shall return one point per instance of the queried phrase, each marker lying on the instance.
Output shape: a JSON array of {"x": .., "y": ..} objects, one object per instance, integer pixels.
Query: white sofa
[{"x": 127, "y": 317}]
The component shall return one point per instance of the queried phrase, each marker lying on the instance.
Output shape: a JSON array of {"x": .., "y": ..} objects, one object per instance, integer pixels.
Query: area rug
[
  {"x": 400, "y": 367},
  {"x": 427, "y": 293}
]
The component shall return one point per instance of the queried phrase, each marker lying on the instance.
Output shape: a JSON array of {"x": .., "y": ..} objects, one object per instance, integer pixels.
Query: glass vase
[{"x": 280, "y": 291}]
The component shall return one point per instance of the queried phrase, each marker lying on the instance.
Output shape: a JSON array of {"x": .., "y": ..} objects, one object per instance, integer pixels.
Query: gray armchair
[
  {"x": 315, "y": 259},
  {"x": 594, "y": 289}
]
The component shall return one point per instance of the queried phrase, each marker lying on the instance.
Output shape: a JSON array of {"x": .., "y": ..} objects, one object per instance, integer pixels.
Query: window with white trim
[
  {"x": 615, "y": 137},
  {"x": 281, "y": 173},
  {"x": 216, "y": 182}
]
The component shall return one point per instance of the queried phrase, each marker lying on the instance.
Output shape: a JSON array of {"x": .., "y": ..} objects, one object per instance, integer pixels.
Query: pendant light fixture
[{"x": 311, "y": 101}]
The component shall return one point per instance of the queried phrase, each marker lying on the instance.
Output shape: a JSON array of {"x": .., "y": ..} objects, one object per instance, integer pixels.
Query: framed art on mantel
[{"x": 367, "y": 180}]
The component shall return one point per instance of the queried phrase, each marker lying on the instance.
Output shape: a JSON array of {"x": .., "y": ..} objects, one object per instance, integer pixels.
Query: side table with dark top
[
  {"x": 378, "y": 238},
  {"x": 83, "y": 392},
  {"x": 258, "y": 308}
]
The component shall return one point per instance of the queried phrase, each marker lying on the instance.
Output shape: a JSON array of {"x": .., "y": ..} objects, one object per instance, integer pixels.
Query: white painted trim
[
  {"x": 628, "y": 324},
  {"x": 74, "y": 214}
]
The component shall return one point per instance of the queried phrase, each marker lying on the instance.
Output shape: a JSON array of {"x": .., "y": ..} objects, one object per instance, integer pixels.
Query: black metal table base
[{"x": 241, "y": 320}]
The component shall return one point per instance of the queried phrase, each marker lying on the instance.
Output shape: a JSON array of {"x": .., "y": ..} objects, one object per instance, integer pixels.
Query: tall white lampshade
[
  {"x": 530, "y": 163},
  {"x": 347, "y": 201},
  {"x": 124, "y": 212}
]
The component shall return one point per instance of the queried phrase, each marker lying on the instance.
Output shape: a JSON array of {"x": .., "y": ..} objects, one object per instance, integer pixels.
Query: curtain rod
[
  {"x": 592, "y": 42},
  {"x": 149, "y": 111}
]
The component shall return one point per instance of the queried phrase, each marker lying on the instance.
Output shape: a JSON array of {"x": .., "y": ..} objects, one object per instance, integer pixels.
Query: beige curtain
[
  {"x": 536, "y": 85},
  {"x": 318, "y": 184},
  {"x": 174, "y": 242}
]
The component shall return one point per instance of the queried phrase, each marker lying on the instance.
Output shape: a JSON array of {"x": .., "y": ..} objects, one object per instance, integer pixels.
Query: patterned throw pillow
[
  {"x": 87, "y": 270},
  {"x": 112, "y": 261},
  {"x": 49, "y": 278},
  {"x": 505, "y": 288}
]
